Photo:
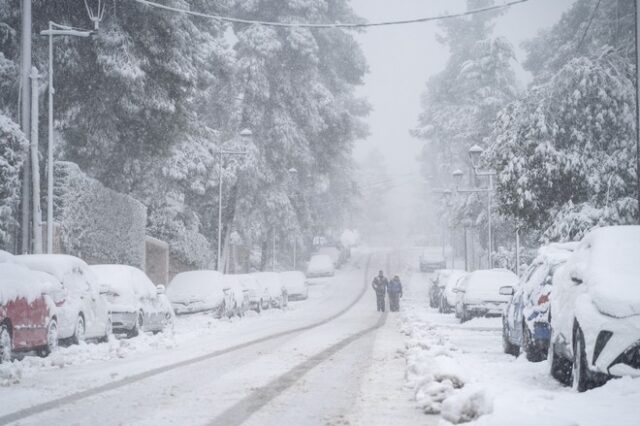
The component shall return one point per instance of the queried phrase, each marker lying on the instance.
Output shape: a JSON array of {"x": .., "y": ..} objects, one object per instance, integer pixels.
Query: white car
[
  {"x": 257, "y": 295},
  {"x": 296, "y": 285},
  {"x": 448, "y": 297},
  {"x": 134, "y": 303},
  {"x": 320, "y": 265},
  {"x": 84, "y": 313},
  {"x": 273, "y": 284},
  {"x": 200, "y": 291},
  {"x": 480, "y": 293},
  {"x": 241, "y": 293},
  {"x": 595, "y": 309}
]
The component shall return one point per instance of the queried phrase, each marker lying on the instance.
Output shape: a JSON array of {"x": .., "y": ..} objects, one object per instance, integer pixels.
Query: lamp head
[{"x": 474, "y": 155}]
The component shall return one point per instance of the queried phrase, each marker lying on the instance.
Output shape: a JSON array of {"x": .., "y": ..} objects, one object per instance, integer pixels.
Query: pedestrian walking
[
  {"x": 394, "y": 288},
  {"x": 379, "y": 285}
]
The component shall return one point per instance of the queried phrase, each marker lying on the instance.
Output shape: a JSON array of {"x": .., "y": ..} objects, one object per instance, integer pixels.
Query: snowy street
[{"x": 292, "y": 367}]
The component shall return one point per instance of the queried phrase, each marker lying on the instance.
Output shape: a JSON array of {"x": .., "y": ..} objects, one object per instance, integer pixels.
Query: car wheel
[
  {"x": 6, "y": 346},
  {"x": 582, "y": 378},
  {"x": 559, "y": 366},
  {"x": 79, "y": 334},
  {"x": 508, "y": 347},
  {"x": 108, "y": 331},
  {"x": 532, "y": 353},
  {"x": 52, "y": 338}
]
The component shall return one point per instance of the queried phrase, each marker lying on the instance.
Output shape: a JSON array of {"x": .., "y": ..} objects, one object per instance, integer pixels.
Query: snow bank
[
  {"x": 467, "y": 405},
  {"x": 17, "y": 281}
]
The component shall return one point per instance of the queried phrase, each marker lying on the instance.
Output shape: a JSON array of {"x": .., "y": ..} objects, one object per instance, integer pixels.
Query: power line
[{"x": 334, "y": 25}]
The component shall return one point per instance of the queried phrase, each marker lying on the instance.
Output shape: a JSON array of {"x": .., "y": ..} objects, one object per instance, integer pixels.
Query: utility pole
[
  {"x": 35, "y": 165},
  {"x": 25, "y": 121}
]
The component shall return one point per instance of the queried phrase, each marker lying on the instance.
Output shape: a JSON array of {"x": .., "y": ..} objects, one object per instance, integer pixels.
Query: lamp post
[
  {"x": 446, "y": 195},
  {"x": 474, "y": 155},
  {"x": 54, "y": 30},
  {"x": 293, "y": 172},
  {"x": 245, "y": 136}
]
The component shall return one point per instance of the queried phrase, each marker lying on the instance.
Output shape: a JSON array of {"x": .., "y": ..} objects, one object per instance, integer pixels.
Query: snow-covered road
[{"x": 301, "y": 366}]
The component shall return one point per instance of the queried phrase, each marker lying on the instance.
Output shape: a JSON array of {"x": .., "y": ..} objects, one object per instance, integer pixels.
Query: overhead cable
[{"x": 327, "y": 25}]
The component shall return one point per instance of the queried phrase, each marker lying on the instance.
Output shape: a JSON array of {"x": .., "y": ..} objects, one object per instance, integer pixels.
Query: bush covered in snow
[
  {"x": 97, "y": 223},
  {"x": 12, "y": 147}
]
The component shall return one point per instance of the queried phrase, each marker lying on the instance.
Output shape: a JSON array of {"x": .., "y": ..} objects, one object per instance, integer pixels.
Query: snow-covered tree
[{"x": 13, "y": 145}]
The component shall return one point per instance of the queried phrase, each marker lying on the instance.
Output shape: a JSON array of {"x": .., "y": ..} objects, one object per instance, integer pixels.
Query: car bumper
[
  {"x": 123, "y": 321},
  {"x": 191, "y": 308},
  {"x": 612, "y": 345},
  {"x": 488, "y": 310},
  {"x": 298, "y": 296}
]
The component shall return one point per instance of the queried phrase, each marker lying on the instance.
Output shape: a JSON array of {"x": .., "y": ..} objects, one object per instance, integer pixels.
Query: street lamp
[
  {"x": 54, "y": 30},
  {"x": 457, "y": 177},
  {"x": 245, "y": 136},
  {"x": 293, "y": 172},
  {"x": 475, "y": 152}
]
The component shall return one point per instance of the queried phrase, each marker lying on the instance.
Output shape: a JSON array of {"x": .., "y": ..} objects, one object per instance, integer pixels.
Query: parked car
[
  {"x": 241, "y": 293},
  {"x": 295, "y": 282},
  {"x": 272, "y": 282},
  {"x": 85, "y": 314},
  {"x": 338, "y": 256},
  {"x": 28, "y": 311},
  {"x": 134, "y": 303},
  {"x": 432, "y": 259},
  {"x": 250, "y": 286},
  {"x": 200, "y": 291},
  {"x": 480, "y": 293},
  {"x": 595, "y": 312},
  {"x": 448, "y": 296},
  {"x": 525, "y": 321},
  {"x": 320, "y": 265}
]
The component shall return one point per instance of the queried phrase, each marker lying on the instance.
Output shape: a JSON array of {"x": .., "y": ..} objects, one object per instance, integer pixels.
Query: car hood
[{"x": 619, "y": 297}]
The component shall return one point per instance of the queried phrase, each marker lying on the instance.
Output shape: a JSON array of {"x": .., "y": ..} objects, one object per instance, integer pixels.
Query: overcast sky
[{"x": 401, "y": 59}]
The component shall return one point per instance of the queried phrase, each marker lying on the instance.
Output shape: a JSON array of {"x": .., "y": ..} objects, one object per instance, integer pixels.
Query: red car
[{"x": 28, "y": 311}]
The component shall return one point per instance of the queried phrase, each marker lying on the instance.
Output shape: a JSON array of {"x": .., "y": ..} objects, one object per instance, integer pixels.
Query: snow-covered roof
[
  {"x": 125, "y": 280},
  {"x": 555, "y": 253},
  {"x": 17, "y": 281},
  {"x": 57, "y": 265},
  {"x": 486, "y": 283},
  {"x": 612, "y": 270},
  {"x": 202, "y": 285},
  {"x": 294, "y": 281}
]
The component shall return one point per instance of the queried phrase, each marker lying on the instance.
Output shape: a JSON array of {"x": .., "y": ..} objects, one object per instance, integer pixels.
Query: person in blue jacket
[
  {"x": 395, "y": 293},
  {"x": 379, "y": 285}
]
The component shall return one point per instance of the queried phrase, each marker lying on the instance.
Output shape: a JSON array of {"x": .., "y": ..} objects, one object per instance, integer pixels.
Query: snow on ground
[{"x": 460, "y": 372}]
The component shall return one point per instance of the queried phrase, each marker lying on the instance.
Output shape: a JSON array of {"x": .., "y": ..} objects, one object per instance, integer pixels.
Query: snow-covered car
[
  {"x": 134, "y": 303},
  {"x": 241, "y": 293},
  {"x": 447, "y": 301},
  {"x": 432, "y": 259},
  {"x": 254, "y": 292},
  {"x": 525, "y": 321},
  {"x": 28, "y": 311},
  {"x": 320, "y": 265},
  {"x": 200, "y": 291},
  {"x": 480, "y": 293},
  {"x": 337, "y": 256},
  {"x": 437, "y": 285},
  {"x": 295, "y": 282},
  {"x": 595, "y": 311},
  {"x": 272, "y": 282},
  {"x": 85, "y": 314}
]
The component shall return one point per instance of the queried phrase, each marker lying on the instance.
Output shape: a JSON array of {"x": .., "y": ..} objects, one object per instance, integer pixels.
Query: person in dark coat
[
  {"x": 395, "y": 293},
  {"x": 379, "y": 285}
]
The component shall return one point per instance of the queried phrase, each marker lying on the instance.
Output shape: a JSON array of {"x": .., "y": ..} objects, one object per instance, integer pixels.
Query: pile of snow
[
  {"x": 320, "y": 265},
  {"x": 17, "y": 281},
  {"x": 433, "y": 373},
  {"x": 467, "y": 405},
  {"x": 295, "y": 282},
  {"x": 5, "y": 256}
]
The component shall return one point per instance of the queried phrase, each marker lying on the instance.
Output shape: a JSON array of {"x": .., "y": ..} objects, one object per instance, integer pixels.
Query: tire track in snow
[
  {"x": 75, "y": 397},
  {"x": 245, "y": 408}
]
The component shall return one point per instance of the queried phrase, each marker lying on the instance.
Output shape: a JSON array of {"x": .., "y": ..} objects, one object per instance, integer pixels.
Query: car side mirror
[
  {"x": 160, "y": 289},
  {"x": 576, "y": 280},
  {"x": 507, "y": 291},
  {"x": 104, "y": 289}
]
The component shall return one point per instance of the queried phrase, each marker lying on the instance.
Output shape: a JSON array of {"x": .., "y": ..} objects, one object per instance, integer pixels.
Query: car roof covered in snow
[
  {"x": 57, "y": 265},
  {"x": 204, "y": 284},
  {"x": 18, "y": 281},
  {"x": 555, "y": 253},
  {"x": 124, "y": 279}
]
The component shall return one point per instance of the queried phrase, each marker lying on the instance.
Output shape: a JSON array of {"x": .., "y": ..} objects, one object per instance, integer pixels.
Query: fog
[{"x": 401, "y": 59}]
